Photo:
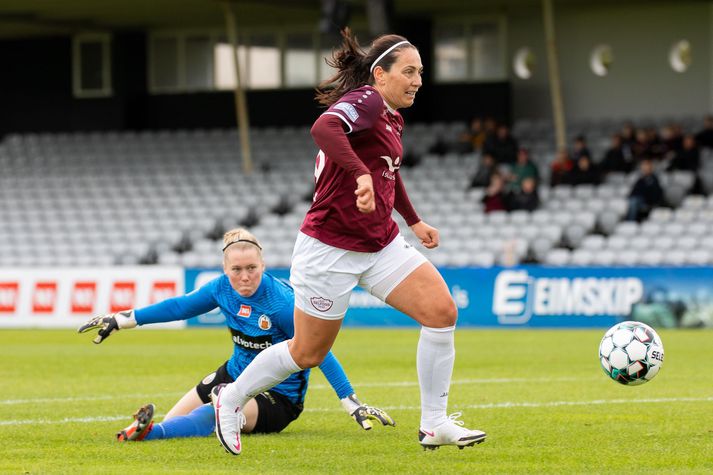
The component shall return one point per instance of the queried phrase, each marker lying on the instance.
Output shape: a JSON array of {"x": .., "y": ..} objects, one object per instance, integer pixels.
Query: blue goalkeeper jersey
[{"x": 255, "y": 323}]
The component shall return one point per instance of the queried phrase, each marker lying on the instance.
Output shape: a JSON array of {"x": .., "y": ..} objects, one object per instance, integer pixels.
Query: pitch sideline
[
  {"x": 498, "y": 405},
  {"x": 393, "y": 384}
]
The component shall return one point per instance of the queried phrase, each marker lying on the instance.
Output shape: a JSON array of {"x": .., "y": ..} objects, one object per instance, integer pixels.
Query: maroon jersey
[{"x": 372, "y": 144}]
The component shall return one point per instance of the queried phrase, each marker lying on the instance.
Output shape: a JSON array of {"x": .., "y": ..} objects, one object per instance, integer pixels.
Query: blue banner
[{"x": 537, "y": 296}]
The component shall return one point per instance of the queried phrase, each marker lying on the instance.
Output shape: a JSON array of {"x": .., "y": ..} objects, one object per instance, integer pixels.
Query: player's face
[
  {"x": 398, "y": 85},
  {"x": 244, "y": 268}
]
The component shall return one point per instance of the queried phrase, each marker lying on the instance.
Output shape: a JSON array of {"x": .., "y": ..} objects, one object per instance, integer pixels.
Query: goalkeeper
[{"x": 258, "y": 310}]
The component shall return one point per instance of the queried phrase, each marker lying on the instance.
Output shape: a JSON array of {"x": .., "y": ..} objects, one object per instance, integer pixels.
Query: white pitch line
[
  {"x": 497, "y": 405},
  {"x": 111, "y": 397},
  {"x": 395, "y": 384},
  {"x": 385, "y": 384}
]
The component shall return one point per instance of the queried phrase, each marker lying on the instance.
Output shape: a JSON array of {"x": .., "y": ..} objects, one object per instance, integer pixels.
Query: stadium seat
[
  {"x": 573, "y": 234},
  {"x": 557, "y": 257},
  {"x": 604, "y": 257},
  {"x": 627, "y": 228},
  {"x": 582, "y": 257},
  {"x": 675, "y": 257},
  {"x": 700, "y": 257},
  {"x": 651, "y": 257},
  {"x": 628, "y": 257},
  {"x": 593, "y": 242},
  {"x": 607, "y": 221}
]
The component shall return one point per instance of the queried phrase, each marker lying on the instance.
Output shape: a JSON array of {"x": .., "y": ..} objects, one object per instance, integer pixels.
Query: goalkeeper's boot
[
  {"x": 142, "y": 425},
  {"x": 228, "y": 423},
  {"x": 450, "y": 432},
  {"x": 214, "y": 392}
]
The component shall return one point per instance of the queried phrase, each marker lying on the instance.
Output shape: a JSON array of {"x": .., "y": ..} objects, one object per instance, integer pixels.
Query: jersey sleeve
[
  {"x": 358, "y": 109},
  {"x": 199, "y": 301},
  {"x": 333, "y": 371},
  {"x": 330, "y": 137},
  {"x": 402, "y": 203}
]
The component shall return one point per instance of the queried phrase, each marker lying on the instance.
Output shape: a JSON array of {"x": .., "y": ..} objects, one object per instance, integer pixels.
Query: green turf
[{"x": 540, "y": 395}]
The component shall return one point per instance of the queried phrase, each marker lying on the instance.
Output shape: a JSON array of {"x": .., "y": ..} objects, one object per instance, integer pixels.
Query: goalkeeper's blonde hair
[{"x": 241, "y": 238}]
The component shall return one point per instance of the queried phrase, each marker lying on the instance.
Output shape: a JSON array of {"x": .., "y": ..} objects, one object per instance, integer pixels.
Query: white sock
[
  {"x": 434, "y": 363},
  {"x": 269, "y": 368}
]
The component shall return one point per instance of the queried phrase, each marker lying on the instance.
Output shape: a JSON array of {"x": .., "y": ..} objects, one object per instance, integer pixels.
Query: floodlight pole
[
  {"x": 239, "y": 92},
  {"x": 554, "y": 74}
]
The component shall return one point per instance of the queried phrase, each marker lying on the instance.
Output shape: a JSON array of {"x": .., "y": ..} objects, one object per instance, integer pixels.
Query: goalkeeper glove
[
  {"x": 364, "y": 415},
  {"x": 108, "y": 324}
]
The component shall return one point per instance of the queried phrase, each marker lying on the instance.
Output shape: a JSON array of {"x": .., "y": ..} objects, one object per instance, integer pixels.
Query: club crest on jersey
[
  {"x": 393, "y": 166},
  {"x": 245, "y": 311},
  {"x": 264, "y": 322},
  {"x": 321, "y": 304}
]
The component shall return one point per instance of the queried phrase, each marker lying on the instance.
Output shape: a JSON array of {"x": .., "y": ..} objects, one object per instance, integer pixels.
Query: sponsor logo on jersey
[
  {"x": 245, "y": 311},
  {"x": 348, "y": 109},
  {"x": 250, "y": 342},
  {"x": 83, "y": 297},
  {"x": 321, "y": 304},
  {"x": 44, "y": 297},
  {"x": 264, "y": 322},
  {"x": 8, "y": 296},
  {"x": 123, "y": 295}
]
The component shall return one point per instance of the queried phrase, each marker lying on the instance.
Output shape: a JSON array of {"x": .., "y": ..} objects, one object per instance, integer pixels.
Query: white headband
[{"x": 381, "y": 56}]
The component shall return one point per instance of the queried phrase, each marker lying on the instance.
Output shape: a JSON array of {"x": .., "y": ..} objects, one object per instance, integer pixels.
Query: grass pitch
[{"x": 539, "y": 394}]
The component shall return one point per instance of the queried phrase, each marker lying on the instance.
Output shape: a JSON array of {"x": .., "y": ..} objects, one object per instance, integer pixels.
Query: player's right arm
[
  {"x": 199, "y": 301},
  {"x": 355, "y": 111}
]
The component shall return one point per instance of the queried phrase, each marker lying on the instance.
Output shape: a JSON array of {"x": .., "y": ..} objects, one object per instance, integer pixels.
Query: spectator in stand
[
  {"x": 503, "y": 146},
  {"x": 628, "y": 135},
  {"x": 523, "y": 168},
  {"x": 580, "y": 148},
  {"x": 704, "y": 138},
  {"x": 676, "y": 142},
  {"x": 689, "y": 158},
  {"x": 526, "y": 198},
  {"x": 474, "y": 138},
  {"x": 646, "y": 192},
  {"x": 617, "y": 158},
  {"x": 491, "y": 126},
  {"x": 561, "y": 165},
  {"x": 584, "y": 172},
  {"x": 495, "y": 198},
  {"x": 671, "y": 140},
  {"x": 641, "y": 148},
  {"x": 485, "y": 171},
  {"x": 657, "y": 148}
]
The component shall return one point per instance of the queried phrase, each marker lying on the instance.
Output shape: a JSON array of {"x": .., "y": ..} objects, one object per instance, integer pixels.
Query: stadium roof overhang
[{"x": 23, "y": 18}]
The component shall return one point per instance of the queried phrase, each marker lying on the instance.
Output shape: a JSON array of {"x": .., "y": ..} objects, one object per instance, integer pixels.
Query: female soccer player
[
  {"x": 348, "y": 238},
  {"x": 258, "y": 310}
]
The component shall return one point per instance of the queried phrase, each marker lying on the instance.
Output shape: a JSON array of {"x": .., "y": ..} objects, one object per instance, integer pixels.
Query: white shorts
[{"x": 323, "y": 276}]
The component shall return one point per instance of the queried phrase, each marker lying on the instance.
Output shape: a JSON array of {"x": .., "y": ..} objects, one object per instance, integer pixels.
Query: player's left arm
[
  {"x": 363, "y": 414},
  {"x": 427, "y": 234}
]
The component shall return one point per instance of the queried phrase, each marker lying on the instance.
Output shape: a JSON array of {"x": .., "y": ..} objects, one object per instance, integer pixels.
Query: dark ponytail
[{"x": 353, "y": 65}]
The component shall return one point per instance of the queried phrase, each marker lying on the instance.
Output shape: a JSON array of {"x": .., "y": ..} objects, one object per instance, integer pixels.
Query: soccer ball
[{"x": 631, "y": 353}]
